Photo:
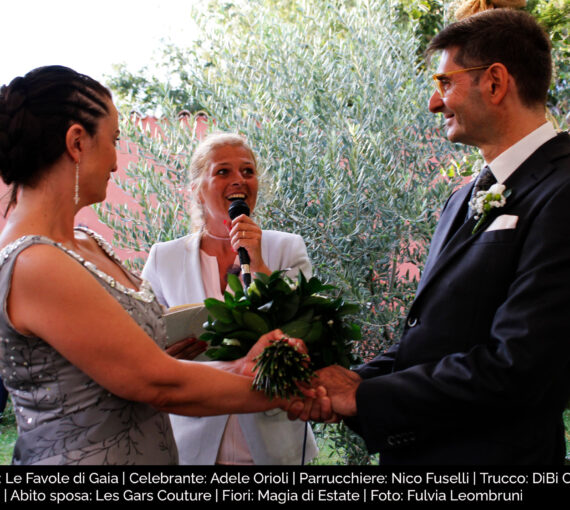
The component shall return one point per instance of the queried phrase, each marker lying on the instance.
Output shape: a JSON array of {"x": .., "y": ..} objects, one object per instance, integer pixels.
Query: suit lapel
[
  {"x": 450, "y": 221},
  {"x": 522, "y": 182}
]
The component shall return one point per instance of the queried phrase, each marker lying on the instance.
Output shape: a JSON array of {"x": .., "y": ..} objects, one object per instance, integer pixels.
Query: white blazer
[{"x": 173, "y": 269}]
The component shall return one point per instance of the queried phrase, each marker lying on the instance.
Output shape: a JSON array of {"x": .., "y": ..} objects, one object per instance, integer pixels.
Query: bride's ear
[{"x": 75, "y": 141}]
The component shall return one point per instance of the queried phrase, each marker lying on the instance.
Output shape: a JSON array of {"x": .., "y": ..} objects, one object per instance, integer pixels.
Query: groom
[{"x": 481, "y": 374}]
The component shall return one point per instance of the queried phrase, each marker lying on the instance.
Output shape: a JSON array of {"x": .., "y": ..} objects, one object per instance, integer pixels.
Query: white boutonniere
[{"x": 485, "y": 201}]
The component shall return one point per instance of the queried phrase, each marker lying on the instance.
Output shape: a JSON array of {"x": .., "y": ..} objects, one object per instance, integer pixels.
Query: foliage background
[{"x": 332, "y": 95}]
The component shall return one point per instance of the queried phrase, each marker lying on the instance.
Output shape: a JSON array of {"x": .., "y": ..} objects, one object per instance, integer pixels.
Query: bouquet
[{"x": 300, "y": 310}]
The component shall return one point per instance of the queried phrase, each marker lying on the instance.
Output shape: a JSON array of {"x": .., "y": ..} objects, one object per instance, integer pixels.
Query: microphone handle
[{"x": 244, "y": 262}]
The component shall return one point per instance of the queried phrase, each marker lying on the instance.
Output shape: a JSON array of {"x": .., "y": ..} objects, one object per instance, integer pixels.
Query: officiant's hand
[
  {"x": 187, "y": 349},
  {"x": 245, "y": 233}
]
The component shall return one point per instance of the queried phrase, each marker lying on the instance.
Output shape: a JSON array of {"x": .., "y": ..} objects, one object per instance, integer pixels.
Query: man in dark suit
[{"x": 481, "y": 374}]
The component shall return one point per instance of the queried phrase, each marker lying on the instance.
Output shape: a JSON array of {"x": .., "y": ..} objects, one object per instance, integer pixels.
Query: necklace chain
[{"x": 216, "y": 237}]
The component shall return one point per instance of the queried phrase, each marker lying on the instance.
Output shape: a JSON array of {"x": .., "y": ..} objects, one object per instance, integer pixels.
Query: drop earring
[{"x": 76, "y": 194}]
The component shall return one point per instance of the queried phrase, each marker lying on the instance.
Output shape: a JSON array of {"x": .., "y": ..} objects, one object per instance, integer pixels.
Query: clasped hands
[
  {"x": 329, "y": 397},
  {"x": 331, "y": 394}
]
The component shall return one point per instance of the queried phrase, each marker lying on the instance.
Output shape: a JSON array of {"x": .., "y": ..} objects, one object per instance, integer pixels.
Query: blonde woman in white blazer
[{"x": 194, "y": 267}]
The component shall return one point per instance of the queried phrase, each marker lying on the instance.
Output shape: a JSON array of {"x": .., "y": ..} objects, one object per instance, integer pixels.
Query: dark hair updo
[{"x": 35, "y": 113}]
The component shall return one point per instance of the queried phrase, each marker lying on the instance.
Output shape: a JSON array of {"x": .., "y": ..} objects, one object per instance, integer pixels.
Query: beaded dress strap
[{"x": 144, "y": 293}]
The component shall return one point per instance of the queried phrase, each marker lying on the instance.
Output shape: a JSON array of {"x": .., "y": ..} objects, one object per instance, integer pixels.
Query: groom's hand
[
  {"x": 336, "y": 396},
  {"x": 316, "y": 406}
]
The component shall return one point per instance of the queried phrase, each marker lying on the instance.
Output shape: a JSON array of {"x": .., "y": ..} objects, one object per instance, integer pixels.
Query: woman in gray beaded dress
[{"x": 81, "y": 338}]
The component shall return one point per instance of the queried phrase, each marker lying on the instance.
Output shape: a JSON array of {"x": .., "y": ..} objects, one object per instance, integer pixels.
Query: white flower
[
  {"x": 485, "y": 201},
  {"x": 497, "y": 189}
]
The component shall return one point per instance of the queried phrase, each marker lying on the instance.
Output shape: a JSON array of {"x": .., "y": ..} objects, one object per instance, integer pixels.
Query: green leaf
[
  {"x": 255, "y": 322},
  {"x": 276, "y": 275},
  {"x": 301, "y": 280},
  {"x": 353, "y": 331},
  {"x": 277, "y": 286},
  {"x": 296, "y": 329},
  {"x": 228, "y": 299},
  {"x": 314, "y": 333},
  {"x": 305, "y": 315},
  {"x": 218, "y": 309},
  {"x": 314, "y": 285},
  {"x": 222, "y": 327},
  {"x": 246, "y": 336},
  {"x": 238, "y": 316},
  {"x": 318, "y": 301},
  {"x": 208, "y": 336},
  {"x": 348, "y": 309},
  {"x": 235, "y": 284},
  {"x": 262, "y": 278},
  {"x": 287, "y": 308},
  {"x": 261, "y": 289}
]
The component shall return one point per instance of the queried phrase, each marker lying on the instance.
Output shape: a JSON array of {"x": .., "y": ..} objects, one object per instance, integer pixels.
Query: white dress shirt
[{"x": 509, "y": 160}]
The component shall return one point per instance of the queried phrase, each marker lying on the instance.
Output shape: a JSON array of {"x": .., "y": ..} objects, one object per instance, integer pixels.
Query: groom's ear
[{"x": 497, "y": 82}]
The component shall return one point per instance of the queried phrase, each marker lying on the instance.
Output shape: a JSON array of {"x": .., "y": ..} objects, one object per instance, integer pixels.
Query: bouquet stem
[{"x": 280, "y": 367}]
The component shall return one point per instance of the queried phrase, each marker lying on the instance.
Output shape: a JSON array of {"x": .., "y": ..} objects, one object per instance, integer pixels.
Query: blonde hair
[
  {"x": 199, "y": 164},
  {"x": 466, "y": 8}
]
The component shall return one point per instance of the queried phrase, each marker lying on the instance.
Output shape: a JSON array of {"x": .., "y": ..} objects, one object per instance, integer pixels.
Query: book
[{"x": 185, "y": 321}]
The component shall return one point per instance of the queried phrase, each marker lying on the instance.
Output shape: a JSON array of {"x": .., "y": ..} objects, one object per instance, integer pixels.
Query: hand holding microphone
[{"x": 237, "y": 208}]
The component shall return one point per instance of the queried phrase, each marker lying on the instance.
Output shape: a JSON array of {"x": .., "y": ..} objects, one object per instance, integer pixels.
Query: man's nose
[{"x": 435, "y": 102}]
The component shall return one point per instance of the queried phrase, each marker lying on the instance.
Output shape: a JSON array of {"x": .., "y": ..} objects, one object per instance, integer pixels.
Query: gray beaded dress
[{"x": 63, "y": 416}]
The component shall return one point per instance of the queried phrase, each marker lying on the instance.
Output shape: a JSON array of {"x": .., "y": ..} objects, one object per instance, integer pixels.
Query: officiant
[{"x": 195, "y": 267}]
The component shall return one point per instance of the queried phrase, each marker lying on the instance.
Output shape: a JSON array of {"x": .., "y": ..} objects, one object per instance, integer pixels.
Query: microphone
[{"x": 237, "y": 208}]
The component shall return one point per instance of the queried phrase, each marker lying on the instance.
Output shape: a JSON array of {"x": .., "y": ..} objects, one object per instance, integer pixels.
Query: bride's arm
[{"x": 54, "y": 298}]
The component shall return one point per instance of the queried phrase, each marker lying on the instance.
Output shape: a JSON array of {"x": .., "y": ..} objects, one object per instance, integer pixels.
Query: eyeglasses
[{"x": 442, "y": 85}]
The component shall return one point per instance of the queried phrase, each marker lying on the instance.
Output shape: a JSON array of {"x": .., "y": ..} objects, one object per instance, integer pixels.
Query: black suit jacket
[{"x": 481, "y": 374}]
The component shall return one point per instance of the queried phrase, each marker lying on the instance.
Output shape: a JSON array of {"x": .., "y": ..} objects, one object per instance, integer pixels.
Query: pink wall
[{"x": 87, "y": 216}]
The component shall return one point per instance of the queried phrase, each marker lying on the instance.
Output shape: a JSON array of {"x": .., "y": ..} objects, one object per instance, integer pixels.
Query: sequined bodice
[{"x": 63, "y": 415}]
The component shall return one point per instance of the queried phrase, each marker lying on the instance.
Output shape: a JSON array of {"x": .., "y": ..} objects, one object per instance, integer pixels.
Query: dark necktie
[{"x": 484, "y": 181}]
